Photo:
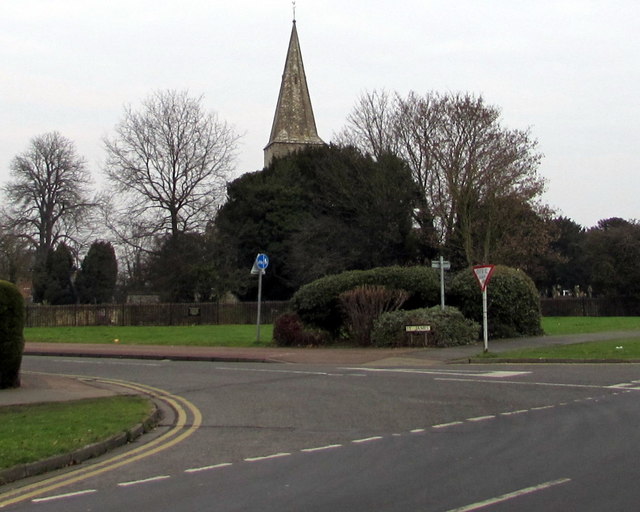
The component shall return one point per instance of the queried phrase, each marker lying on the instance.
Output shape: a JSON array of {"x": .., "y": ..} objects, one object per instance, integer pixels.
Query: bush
[
  {"x": 512, "y": 298},
  {"x": 317, "y": 303},
  {"x": 12, "y": 316},
  {"x": 363, "y": 305},
  {"x": 448, "y": 328},
  {"x": 289, "y": 331}
]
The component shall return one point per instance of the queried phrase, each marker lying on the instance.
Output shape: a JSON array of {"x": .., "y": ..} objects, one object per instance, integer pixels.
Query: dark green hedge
[
  {"x": 12, "y": 316},
  {"x": 512, "y": 298},
  {"x": 318, "y": 305},
  {"x": 448, "y": 328}
]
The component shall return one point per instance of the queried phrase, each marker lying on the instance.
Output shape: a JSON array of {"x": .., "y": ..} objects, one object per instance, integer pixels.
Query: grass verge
[
  {"x": 194, "y": 335},
  {"x": 561, "y": 325},
  {"x": 627, "y": 348},
  {"x": 29, "y": 433}
]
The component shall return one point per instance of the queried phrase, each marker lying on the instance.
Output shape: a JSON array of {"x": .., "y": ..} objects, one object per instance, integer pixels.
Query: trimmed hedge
[
  {"x": 12, "y": 316},
  {"x": 318, "y": 304},
  {"x": 512, "y": 298},
  {"x": 448, "y": 328},
  {"x": 289, "y": 331}
]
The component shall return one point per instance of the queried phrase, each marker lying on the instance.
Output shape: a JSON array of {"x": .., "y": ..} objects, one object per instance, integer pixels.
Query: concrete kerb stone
[{"x": 82, "y": 454}]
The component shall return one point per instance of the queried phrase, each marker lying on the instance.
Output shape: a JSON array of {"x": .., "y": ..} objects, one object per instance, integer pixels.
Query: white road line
[
  {"x": 144, "y": 481},
  {"x": 321, "y": 448},
  {"x": 524, "y": 383},
  {"x": 511, "y": 495},
  {"x": 289, "y": 372},
  {"x": 63, "y": 496},
  {"x": 267, "y": 457},
  {"x": 417, "y": 430},
  {"x": 542, "y": 407},
  {"x": 445, "y": 425},
  {"x": 513, "y": 413},
  {"x": 208, "y": 468},
  {"x": 491, "y": 374},
  {"x": 481, "y": 418},
  {"x": 367, "y": 440}
]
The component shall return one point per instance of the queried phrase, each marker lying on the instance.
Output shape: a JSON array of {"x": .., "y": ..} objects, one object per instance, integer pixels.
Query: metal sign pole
[
  {"x": 442, "y": 283},
  {"x": 485, "y": 320},
  {"x": 259, "y": 305}
]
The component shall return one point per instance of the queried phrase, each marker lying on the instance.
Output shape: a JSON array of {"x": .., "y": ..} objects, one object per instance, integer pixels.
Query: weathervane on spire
[{"x": 294, "y": 10}]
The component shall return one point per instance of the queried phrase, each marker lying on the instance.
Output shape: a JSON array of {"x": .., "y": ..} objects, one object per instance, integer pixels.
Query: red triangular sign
[{"x": 483, "y": 275}]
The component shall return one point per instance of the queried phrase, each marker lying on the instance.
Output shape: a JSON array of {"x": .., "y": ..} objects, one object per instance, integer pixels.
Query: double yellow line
[{"x": 182, "y": 429}]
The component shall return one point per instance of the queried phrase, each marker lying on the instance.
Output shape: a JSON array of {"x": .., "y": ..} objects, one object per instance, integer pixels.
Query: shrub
[
  {"x": 289, "y": 331},
  {"x": 448, "y": 328},
  {"x": 317, "y": 303},
  {"x": 12, "y": 315},
  {"x": 512, "y": 298},
  {"x": 363, "y": 305}
]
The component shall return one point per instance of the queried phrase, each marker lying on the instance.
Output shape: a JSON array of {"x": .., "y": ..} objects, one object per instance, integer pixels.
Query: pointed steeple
[{"x": 294, "y": 126}]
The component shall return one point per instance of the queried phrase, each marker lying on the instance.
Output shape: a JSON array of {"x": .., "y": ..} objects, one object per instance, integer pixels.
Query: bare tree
[
  {"x": 168, "y": 164},
  {"x": 47, "y": 195},
  {"x": 463, "y": 159}
]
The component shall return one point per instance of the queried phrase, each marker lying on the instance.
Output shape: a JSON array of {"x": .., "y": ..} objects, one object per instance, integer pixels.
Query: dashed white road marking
[
  {"x": 481, "y": 418},
  {"x": 208, "y": 468},
  {"x": 321, "y": 448},
  {"x": 417, "y": 430},
  {"x": 490, "y": 374},
  {"x": 511, "y": 495},
  {"x": 144, "y": 481},
  {"x": 367, "y": 440},
  {"x": 267, "y": 457},
  {"x": 63, "y": 496},
  {"x": 542, "y": 407},
  {"x": 450, "y": 424},
  {"x": 513, "y": 413}
]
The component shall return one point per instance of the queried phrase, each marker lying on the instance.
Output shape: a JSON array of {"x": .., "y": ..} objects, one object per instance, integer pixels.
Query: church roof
[{"x": 293, "y": 123}]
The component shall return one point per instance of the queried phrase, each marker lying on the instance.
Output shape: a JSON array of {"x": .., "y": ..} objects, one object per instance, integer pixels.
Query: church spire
[{"x": 294, "y": 126}]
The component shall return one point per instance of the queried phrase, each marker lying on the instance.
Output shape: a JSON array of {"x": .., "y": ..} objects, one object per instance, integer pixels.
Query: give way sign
[{"x": 483, "y": 274}]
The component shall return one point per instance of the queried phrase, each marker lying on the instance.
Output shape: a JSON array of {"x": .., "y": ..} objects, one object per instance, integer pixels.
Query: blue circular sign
[{"x": 262, "y": 261}]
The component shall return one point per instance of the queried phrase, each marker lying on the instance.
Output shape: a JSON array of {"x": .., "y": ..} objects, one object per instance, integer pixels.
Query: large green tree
[
  {"x": 52, "y": 283},
  {"x": 96, "y": 279},
  {"x": 318, "y": 212},
  {"x": 612, "y": 251}
]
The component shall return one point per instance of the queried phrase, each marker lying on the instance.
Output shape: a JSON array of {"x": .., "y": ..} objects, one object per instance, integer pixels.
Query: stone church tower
[{"x": 294, "y": 126}]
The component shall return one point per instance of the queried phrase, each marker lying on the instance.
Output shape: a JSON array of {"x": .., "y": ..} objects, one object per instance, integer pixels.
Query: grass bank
[
  {"x": 29, "y": 433},
  {"x": 621, "y": 349},
  {"x": 561, "y": 325},
  {"x": 194, "y": 335}
]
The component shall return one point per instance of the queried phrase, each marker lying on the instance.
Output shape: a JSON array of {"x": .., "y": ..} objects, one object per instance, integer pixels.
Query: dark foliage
[
  {"x": 12, "y": 316},
  {"x": 448, "y": 328},
  {"x": 318, "y": 304},
  {"x": 52, "y": 277},
  {"x": 513, "y": 302},
  {"x": 96, "y": 279},
  {"x": 319, "y": 212},
  {"x": 289, "y": 331}
]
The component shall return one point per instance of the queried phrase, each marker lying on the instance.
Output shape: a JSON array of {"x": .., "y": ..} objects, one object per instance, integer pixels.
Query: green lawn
[
  {"x": 34, "y": 432},
  {"x": 203, "y": 335},
  {"x": 560, "y": 325},
  {"x": 628, "y": 348}
]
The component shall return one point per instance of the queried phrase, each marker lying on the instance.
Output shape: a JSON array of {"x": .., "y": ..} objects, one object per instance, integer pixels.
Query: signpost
[
  {"x": 259, "y": 267},
  {"x": 483, "y": 274},
  {"x": 442, "y": 265}
]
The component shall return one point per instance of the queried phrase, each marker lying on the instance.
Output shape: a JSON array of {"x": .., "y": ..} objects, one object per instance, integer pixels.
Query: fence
[
  {"x": 153, "y": 314},
  {"x": 584, "y": 306}
]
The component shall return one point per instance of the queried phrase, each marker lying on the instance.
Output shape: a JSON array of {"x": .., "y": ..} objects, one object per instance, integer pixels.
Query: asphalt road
[{"x": 291, "y": 437}]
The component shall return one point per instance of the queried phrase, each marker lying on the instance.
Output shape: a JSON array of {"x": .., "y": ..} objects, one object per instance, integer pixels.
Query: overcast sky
[{"x": 567, "y": 69}]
